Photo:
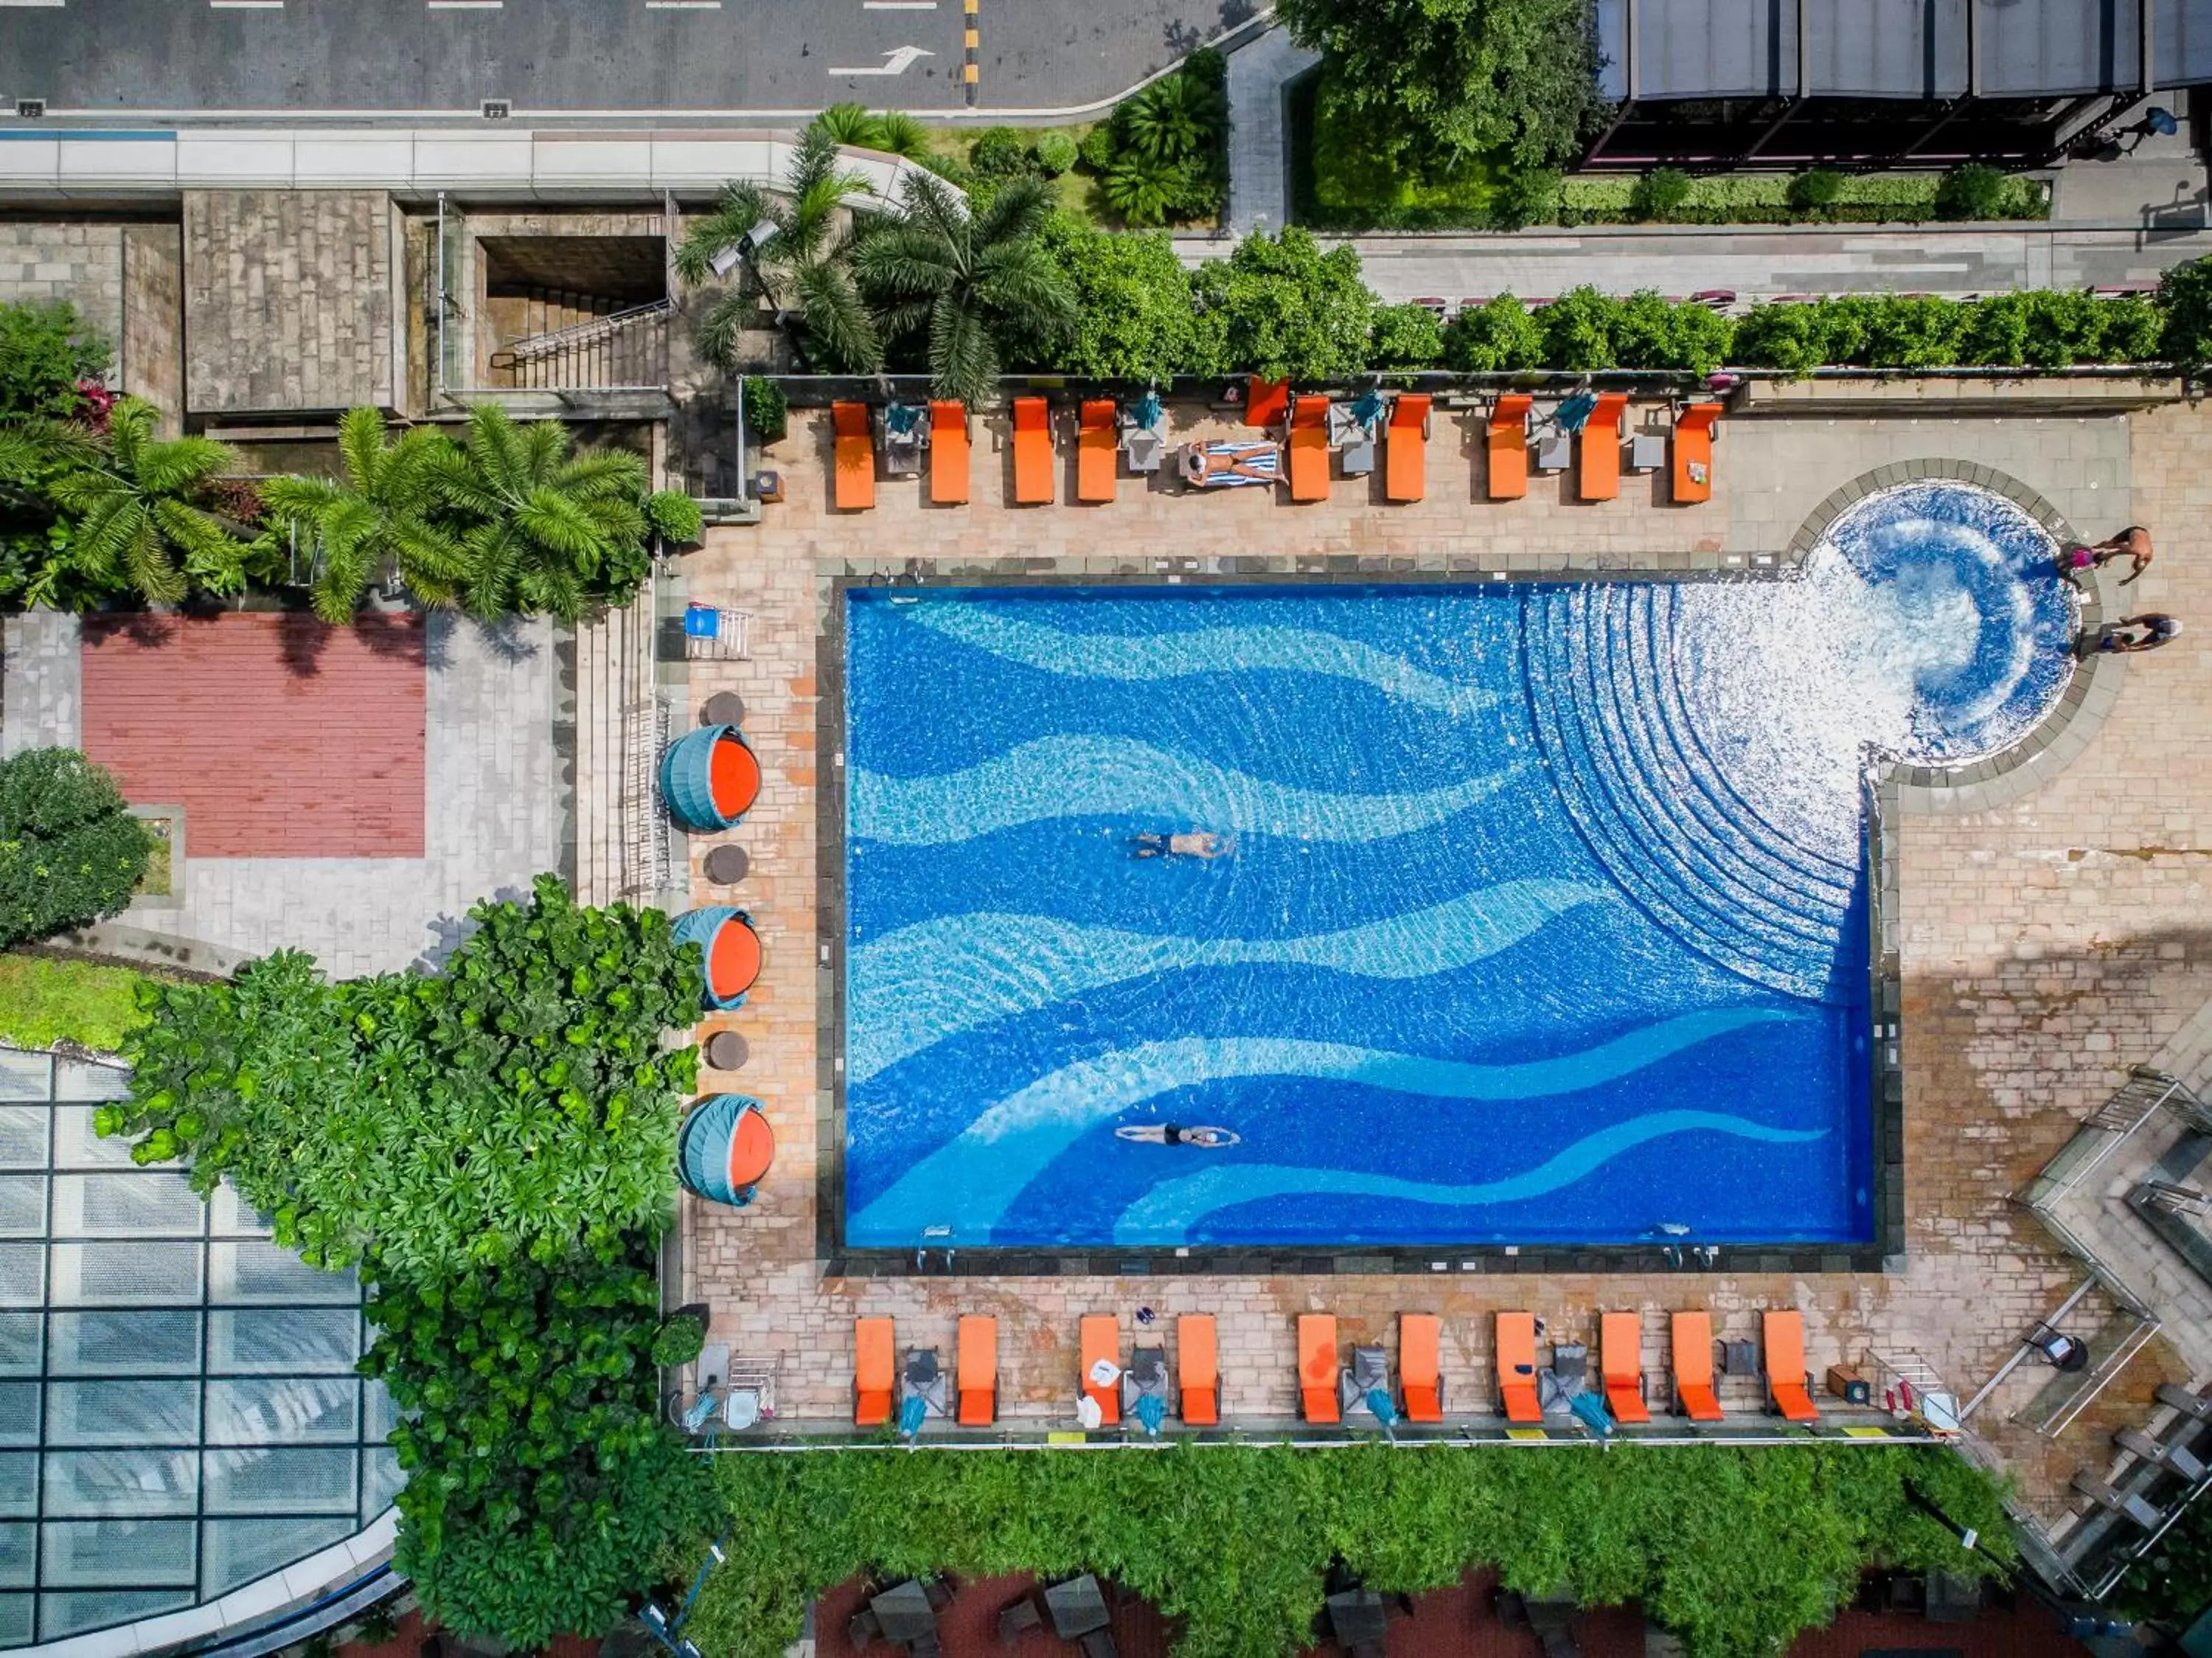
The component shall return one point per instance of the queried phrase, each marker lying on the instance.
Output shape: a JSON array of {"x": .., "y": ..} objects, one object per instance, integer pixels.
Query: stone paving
[
  {"x": 490, "y": 802},
  {"x": 2045, "y": 945}
]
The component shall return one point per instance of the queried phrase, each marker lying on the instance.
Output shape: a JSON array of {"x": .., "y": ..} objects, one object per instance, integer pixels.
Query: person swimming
[
  {"x": 1174, "y": 1134},
  {"x": 1188, "y": 843}
]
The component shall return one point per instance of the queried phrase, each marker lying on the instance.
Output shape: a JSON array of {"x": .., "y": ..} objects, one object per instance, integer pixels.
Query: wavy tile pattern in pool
[{"x": 1497, "y": 953}]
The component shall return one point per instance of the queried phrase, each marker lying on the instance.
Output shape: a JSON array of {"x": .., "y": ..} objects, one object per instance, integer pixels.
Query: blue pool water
[{"x": 1543, "y": 918}]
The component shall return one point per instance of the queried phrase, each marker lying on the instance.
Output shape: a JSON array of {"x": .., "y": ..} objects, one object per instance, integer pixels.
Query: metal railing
[
  {"x": 590, "y": 332},
  {"x": 623, "y": 350}
]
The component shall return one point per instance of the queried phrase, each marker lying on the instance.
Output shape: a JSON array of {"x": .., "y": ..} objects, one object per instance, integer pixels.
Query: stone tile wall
[{"x": 73, "y": 260}]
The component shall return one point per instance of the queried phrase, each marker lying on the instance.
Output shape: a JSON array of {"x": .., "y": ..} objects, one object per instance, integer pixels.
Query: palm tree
[
  {"x": 551, "y": 531},
  {"x": 803, "y": 268},
  {"x": 373, "y": 522},
  {"x": 138, "y": 526},
  {"x": 1171, "y": 118},
  {"x": 982, "y": 284}
]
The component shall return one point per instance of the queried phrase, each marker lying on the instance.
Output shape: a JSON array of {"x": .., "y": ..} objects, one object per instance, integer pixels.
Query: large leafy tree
[
  {"x": 1133, "y": 305},
  {"x": 977, "y": 286},
  {"x": 519, "y": 1107},
  {"x": 544, "y": 529},
  {"x": 140, "y": 526},
  {"x": 1443, "y": 81},
  {"x": 1280, "y": 306},
  {"x": 804, "y": 269},
  {"x": 71, "y": 852},
  {"x": 376, "y": 520}
]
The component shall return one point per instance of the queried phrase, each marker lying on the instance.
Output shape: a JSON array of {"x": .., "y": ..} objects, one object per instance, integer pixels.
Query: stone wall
[
  {"x": 289, "y": 297},
  {"x": 153, "y": 342},
  {"x": 71, "y": 259}
]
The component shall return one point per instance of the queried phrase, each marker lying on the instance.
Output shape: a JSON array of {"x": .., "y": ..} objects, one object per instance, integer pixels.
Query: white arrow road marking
[{"x": 895, "y": 62}]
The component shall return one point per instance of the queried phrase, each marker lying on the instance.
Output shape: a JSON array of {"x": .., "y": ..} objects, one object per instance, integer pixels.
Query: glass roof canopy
[{"x": 178, "y": 1411}]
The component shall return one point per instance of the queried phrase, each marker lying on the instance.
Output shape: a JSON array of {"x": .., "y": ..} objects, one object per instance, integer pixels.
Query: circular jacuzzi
[{"x": 1962, "y": 606}]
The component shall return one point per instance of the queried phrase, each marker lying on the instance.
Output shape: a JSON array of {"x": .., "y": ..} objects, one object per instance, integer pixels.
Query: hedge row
[{"x": 1735, "y": 1550}]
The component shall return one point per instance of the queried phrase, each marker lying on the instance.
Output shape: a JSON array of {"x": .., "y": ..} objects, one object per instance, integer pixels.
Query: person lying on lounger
[{"x": 1190, "y": 843}]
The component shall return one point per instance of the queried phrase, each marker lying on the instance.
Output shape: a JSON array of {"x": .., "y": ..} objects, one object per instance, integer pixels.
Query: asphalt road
[{"x": 675, "y": 59}]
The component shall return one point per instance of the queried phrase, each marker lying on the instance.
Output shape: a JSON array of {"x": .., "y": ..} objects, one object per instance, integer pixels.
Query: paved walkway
[
  {"x": 2046, "y": 946},
  {"x": 1260, "y": 73},
  {"x": 1759, "y": 261},
  {"x": 487, "y": 795}
]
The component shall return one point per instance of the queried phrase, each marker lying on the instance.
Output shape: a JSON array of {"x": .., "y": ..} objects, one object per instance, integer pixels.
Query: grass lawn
[
  {"x": 1339, "y": 182},
  {"x": 1075, "y": 192},
  {"x": 46, "y": 998}
]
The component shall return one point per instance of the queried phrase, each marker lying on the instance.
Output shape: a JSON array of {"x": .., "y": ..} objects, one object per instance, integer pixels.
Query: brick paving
[
  {"x": 279, "y": 735},
  {"x": 2045, "y": 945}
]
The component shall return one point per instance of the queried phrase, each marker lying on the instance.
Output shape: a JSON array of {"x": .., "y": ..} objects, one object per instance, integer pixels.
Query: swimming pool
[{"x": 1541, "y": 918}]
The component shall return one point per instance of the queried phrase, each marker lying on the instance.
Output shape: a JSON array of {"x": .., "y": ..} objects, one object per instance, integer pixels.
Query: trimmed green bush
[
  {"x": 1659, "y": 193},
  {"x": 71, "y": 852},
  {"x": 543, "y": 1491},
  {"x": 1054, "y": 153},
  {"x": 1975, "y": 191},
  {"x": 1495, "y": 336},
  {"x": 517, "y": 1106},
  {"x": 1815, "y": 188},
  {"x": 674, "y": 516},
  {"x": 1577, "y": 330},
  {"x": 1735, "y": 1550},
  {"x": 1095, "y": 151},
  {"x": 1134, "y": 316},
  {"x": 2184, "y": 303},
  {"x": 1405, "y": 337},
  {"x": 998, "y": 153},
  {"x": 1280, "y": 306},
  {"x": 768, "y": 413}
]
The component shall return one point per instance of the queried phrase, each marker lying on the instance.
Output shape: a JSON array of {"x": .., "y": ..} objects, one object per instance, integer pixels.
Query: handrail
[{"x": 587, "y": 332}]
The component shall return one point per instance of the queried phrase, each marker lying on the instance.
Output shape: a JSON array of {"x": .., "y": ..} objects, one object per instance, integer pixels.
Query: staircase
[
  {"x": 623, "y": 839},
  {"x": 558, "y": 341}
]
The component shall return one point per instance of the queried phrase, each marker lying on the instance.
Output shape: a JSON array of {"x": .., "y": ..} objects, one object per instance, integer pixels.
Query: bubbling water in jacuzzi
[{"x": 1931, "y": 636}]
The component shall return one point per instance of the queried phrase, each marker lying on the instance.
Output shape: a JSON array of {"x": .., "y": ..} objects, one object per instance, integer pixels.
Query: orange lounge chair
[
  {"x": 1509, "y": 446},
  {"x": 1789, "y": 1383},
  {"x": 1693, "y": 453},
  {"x": 1267, "y": 401},
  {"x": 1620, "y": 1360},
  {"x": 1317, "y": 1366},
  {"x": 1420, "y": 1375},
  {"x": 873, "y": 1372},
  {"x": 856, "y": 457},
  {"x": 1693, "y": 1367},
  {"x": 1098, "y": 449},
  {"x": 948, "y": 453},
  {"x": 1599, "y": 447},
  {"x": 1032, "y": 453},
  {"x": 1309, "y": 449},
  {"x": 979, "y": 1370},
  {"x": 1406, "y": 449},
  {"x": 1102, "y": 1332},
  {"x": 1198, "y": 1363},
  {"x": 1516, "y": 1362}
]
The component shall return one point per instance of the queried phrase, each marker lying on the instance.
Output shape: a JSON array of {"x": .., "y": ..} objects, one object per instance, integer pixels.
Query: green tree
[
  {"x": 45, "y": 350},
  {"x": 1132, "y": 318},
  {"x": 1498, "y": 335},
  {"x": 139, "y": 526},
  {"x": 1279, "y": 306},
  {"x": 71, "y": 852},
  {"x": 1974, "y": 191},
  {"x": 1176, "y": 117},
  {"x": 517, "y": 1106},
  {"x": 1659, "y": 193},
  {"x": 1145, "y": 192},
  {"x": 2185, "y": 302},
  {"x": 374, "y": 522},
  {"x": 803, "y": 268},
  {"x": 542, "y": 529},
  {"x": 543, "y": 1490},
  {"x": 977, "y": 286},
  {"x": 34, "y": 533},
  {"x": 1578, "y": 328},
  {"x": 1649, "y": 331},
  {"x": 1515, "y": 79}
]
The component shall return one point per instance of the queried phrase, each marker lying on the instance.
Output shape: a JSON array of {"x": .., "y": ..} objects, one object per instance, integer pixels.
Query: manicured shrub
[
  {"x": 71, "y": 852},
  {"x": 2185, "y": 303},
  {"x": 1660, "y": 192},
  {"x": 1496, "y": 335},
  {"x": 1649, "y": 332},
  {"x": 1525, "y": 197},
  {"x": 543, "y": 1491},
  {"x": 1133, "y": 312},
  {"x": 45, "y": 349},
  {"x": 517, "y": 1106},
  {"x": 1280, "y": 306},
  {"x": 674, "y": 516},
  {"x": 1095, "y": 152},
  {"x": 1577, "y": 329},
  {"x": 998, "y": 153},
  {"x": 1735, "y": 1551},
  {"x": 1912, "y": 333},
  {"x": 768, "y": 413},
  {"x": 2127, "y": 330},
  {"x": 1405, "y": 337},
  {"x": 1054, "y": 153},
  {"x": 1815, "y": 188},
  {"x": 1975, "y": 191},
  {"x": 1793, "y": 338}
]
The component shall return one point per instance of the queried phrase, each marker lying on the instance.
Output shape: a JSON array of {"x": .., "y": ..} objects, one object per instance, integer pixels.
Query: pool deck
[{"x": 2046, "y": 946}]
